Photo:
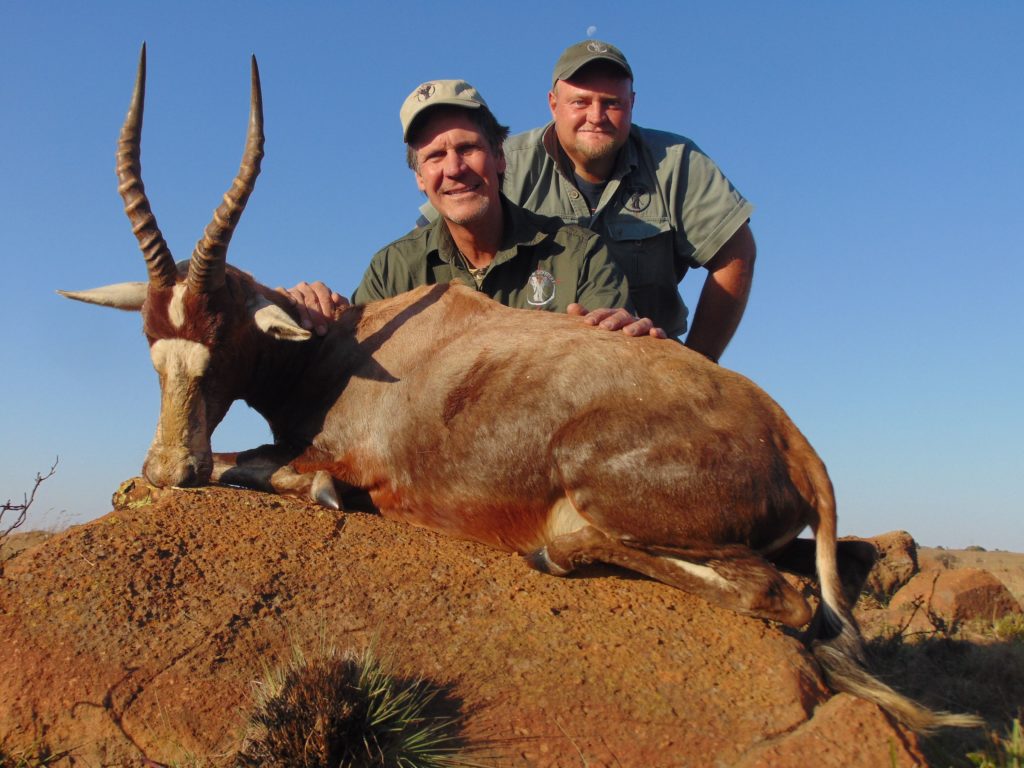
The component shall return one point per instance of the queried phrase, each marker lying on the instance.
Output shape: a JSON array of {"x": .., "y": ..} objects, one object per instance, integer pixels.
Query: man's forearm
[{"x": 724, "y": 296}]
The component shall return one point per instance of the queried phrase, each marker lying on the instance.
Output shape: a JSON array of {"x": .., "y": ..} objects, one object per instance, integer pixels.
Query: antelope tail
[{"x": 838, "y": 645}]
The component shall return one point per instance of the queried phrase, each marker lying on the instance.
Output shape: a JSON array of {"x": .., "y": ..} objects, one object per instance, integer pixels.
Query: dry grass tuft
[
  {"x": 36, "y": 756},
  {"x": 976, "y": 667},
  {"x": 1009, "y": 628}
]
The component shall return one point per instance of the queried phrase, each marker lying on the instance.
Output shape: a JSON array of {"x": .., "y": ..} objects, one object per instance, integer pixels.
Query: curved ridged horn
[
  {"x": 206, "y": 270},
  {"x": 159, "y": 261}
]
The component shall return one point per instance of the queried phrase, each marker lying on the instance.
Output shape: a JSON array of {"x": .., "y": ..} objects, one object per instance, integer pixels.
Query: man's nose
[
  {"x": 454, "y": 165},
  {"x": 596, "y": 113}
]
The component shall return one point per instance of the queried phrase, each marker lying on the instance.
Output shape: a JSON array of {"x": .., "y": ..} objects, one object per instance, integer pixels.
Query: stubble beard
[
  {"x": 464, "y": 217},
  {"x": 592, "y": 151}
]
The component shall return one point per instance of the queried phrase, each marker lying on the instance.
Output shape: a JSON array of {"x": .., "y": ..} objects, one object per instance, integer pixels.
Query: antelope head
[{"x": 199, "y": 316}]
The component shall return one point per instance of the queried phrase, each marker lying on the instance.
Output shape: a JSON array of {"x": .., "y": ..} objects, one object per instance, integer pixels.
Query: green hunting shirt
[
  {"x": 541, "y": 264},
  {"x": 666, "y": 208}
]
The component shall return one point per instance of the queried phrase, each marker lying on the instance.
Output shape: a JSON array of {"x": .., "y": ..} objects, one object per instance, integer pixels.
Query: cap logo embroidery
[
  {"x": 542, "y": 284},
  {"x": 425, "y": 91},
  {"x": 595, "y": 47},
  {"x": 637, "y": 199}
]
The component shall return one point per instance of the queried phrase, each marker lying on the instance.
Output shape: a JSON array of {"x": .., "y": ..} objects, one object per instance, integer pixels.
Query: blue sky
[{"x": 879, "y": 141}]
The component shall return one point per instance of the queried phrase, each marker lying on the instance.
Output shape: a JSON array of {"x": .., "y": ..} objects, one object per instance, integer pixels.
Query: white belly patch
[{"x": 563, "y": 519}]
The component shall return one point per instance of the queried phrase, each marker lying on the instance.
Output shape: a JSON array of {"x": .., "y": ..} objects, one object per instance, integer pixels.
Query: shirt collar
[{"x": 519, "y": 228}]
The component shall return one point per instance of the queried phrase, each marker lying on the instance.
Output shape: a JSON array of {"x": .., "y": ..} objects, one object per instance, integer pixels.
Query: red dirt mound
[{"x": 139, "y": 635}]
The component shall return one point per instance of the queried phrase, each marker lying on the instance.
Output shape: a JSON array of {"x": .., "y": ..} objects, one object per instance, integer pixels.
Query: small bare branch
[{"x": 21, "y": 510}]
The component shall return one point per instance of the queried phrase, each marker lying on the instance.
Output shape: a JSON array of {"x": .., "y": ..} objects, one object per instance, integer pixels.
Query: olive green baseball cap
[
  {"x": 577, "y": 56},
  {"x": 436, "y": 93}
]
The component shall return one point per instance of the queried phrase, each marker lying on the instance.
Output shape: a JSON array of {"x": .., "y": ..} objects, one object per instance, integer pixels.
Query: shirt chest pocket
[{"x": 642, "y": 247}]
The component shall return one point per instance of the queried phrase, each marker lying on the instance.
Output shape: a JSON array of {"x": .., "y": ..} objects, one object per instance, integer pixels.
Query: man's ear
[
  {"x": 420, "y": 184},
  {"x": 553, "y": 99},
  {"x": 502, "y": 165}
]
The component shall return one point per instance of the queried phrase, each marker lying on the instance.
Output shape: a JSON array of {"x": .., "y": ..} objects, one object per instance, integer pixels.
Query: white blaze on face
[
  {"x": 176, "y": 309},
  {"x": 181, "y": 439}
]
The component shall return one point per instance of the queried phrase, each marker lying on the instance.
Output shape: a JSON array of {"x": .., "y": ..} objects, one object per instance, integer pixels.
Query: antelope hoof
[
  {"x": 539, "y": 560},
  {"x": 323, "y": 492}
]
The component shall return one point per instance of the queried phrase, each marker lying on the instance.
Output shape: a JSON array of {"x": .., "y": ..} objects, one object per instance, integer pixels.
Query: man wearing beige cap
[
  {"x": 661, "y": 205},
  {"x": 522, "y": 259}
]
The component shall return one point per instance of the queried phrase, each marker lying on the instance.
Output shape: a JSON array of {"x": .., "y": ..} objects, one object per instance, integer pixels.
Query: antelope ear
[
  {"x": 127, "y": 296},
  {"x": 274, "y": 321}
]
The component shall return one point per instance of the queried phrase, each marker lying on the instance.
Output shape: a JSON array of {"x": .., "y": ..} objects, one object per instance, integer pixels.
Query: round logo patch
[
  {"x": 425, "y": 91},
  {"x": 542, "y": 288},
  {"x": 636, "y": 199}
]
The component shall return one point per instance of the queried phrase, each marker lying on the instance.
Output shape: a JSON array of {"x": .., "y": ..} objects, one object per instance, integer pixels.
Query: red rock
[
  {"x": 139, "y": 635},
  {"x": 953, "y": 596},
  {"x": 895, "y": 566}
]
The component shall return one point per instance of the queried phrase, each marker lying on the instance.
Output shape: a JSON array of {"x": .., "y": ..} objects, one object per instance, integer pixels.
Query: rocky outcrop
[
  {"x": 949, "y": 597},
  {"x": 139, "y": 634},
  {"x": 895, "y": 566}
]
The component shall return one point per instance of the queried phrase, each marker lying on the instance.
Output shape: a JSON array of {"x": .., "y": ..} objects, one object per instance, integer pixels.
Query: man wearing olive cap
[
  {"x": 522, "y": 259},
  {"x": 661, "y": 205}
]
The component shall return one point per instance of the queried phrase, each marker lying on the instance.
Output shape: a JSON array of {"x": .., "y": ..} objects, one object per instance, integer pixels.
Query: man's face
[
  {"x": 456, "y": 167},
  {"x": 593, "y": 112}
]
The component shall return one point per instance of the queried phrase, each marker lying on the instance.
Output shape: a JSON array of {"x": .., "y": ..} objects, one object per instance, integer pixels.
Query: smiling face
[
  {"x": 593, "y": 113},
  {"x": 457, "y": 168}
]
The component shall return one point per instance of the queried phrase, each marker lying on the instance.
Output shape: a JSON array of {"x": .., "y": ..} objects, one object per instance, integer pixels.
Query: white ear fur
[
  {"x": 274, "y": 321},
  {"x": 126, "y": 296}
]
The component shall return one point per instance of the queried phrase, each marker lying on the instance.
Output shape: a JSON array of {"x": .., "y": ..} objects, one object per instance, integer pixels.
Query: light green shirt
[
  {"x": 541, "y": 264},
  {"x": 667, "y": 207}
]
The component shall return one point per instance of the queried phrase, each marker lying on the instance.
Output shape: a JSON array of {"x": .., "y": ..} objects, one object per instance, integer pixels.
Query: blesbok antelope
[{"x": 527, "y": 431}]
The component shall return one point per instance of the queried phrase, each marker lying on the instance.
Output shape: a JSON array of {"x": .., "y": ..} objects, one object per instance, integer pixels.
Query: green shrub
[
  {"x": 1005, "y": 753},
  {"x": 347, "y": 710},
  {"x": 1009, "y": 628}
]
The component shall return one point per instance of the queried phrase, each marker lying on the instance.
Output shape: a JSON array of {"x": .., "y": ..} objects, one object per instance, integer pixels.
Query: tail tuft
[{"x": 843, "y": 662}]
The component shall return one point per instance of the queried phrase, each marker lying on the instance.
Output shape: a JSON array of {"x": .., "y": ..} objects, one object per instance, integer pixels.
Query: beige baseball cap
[
  {"x": 435, "y": 93},
  {"x": 579, "y": 55}
]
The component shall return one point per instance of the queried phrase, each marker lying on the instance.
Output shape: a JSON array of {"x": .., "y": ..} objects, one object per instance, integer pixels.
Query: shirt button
[{"x": 574, "y": 194}]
